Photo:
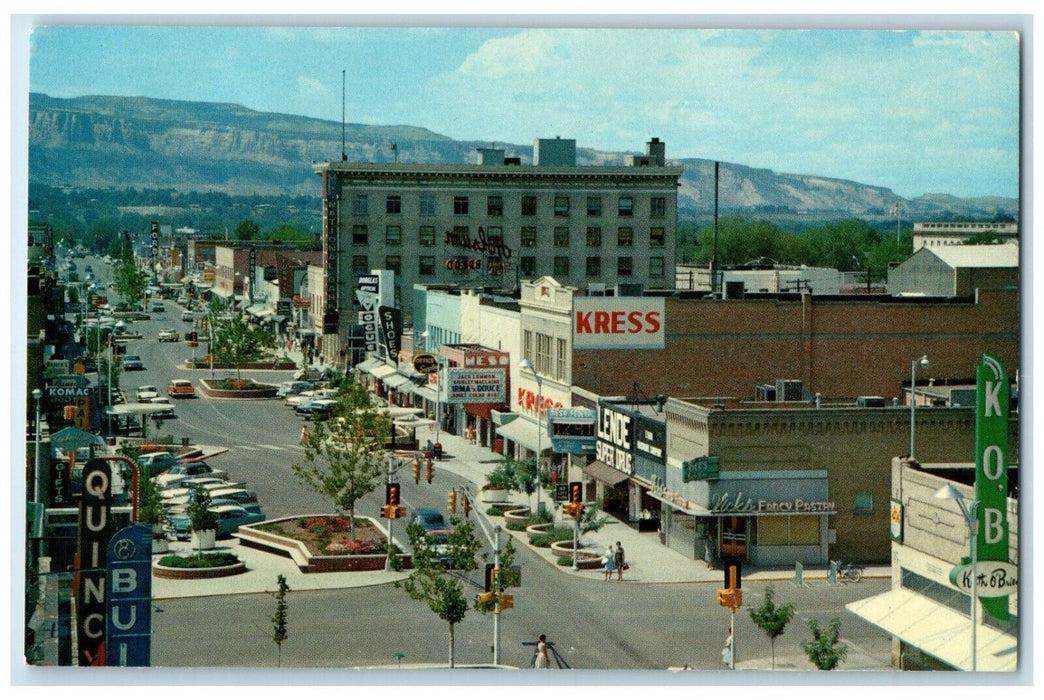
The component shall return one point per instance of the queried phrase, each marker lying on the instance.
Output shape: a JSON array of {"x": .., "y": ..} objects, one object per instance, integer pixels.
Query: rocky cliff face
[{"x": 121, "y": 142}]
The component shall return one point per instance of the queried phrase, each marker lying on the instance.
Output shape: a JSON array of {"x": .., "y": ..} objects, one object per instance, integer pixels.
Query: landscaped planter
[
  {"x": 202, "y": 363},
  {"x": 493, "y": 495},
  {"x": 584, "y": 559},
  {"x": 538, "y": 529},
  {"x": 203, "y": 540},
  {"x": 308, "y": 562},
  {"x": 257, "y": 391},
  {"x": 210, "y": 572},
  {"x": 517, "y": 514}
]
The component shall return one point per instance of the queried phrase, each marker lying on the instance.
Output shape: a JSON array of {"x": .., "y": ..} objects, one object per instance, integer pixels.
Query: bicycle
[{"x": 848, "y": 573}]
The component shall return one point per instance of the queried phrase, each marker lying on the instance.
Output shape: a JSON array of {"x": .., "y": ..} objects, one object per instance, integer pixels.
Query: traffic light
[
  {"x": 416, "y": 470},
  {"x": 733, "y": 575},
  {"x": 431, "y": 470},
  {"x": 725, "y": 597},
  {"x": 485, "y": 598},
  {"x": 391, "y": 494},
  {"x": 451, "y": 501},
  {"x": 576, "y": 492},
  {"x": 491, "y": 572},
  {"x": 507, "y": 600},
  {"x": 388, "y": 512},
  {"x": 465, "y": 503}
]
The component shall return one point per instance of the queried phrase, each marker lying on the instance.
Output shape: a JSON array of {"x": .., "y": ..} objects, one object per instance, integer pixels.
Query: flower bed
[
  {"x": 210, "y": 565},
  {"x": 233, "y": 389},
  {"x": 319, "y": 543}
]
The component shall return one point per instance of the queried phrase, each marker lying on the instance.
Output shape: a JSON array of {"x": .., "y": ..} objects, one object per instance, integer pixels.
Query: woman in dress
[
  {"x": 610, "y": 562},
  {"x": 541, "y": 653}
]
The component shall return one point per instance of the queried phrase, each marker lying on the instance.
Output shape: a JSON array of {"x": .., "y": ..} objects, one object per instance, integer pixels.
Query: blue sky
[{"x": 917, "y": 111}]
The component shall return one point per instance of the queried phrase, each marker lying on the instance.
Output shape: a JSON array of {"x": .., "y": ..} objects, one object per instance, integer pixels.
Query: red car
[{"x": 180, "y": 388}]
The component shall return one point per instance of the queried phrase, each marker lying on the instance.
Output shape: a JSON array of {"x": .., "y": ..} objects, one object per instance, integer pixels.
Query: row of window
[
  {"x": 527, "y": 205},
  {"x": 537, "y": 348},
  {"x": 527, "y": 266},
  {"x": 528, "y": 238}
]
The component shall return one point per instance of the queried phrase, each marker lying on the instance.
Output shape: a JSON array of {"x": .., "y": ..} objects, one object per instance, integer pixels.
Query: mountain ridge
[{"x": 143, "y": 142}]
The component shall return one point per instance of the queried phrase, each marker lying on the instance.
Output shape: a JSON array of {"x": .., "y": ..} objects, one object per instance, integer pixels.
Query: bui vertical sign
[{"x": 992, "y": 407}]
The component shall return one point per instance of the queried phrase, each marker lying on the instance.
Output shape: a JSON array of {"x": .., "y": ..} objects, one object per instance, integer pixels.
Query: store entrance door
[{"x": 734, "y": 529}]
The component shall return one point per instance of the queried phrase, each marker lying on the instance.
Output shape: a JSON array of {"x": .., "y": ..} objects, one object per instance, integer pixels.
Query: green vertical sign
[{"x": 991, "y": 470}]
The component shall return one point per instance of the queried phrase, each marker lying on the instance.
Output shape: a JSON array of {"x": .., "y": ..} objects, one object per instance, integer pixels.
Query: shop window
[
  {"x": 863, "y": 502},
  {"x": 494, "y": 205},
  {"x": 788, "y": 530},
  {"x": 393, "y": 204},
  {"x": 426, "y": 236},
  {"x": 804, "y": 529},
  {"x": 460, "y": 206},
  {"x": 360, "y": 205},
  {"x": 561, "y": 236},
  {"x": 360, "y": 234},
  {"x": 529, "y": 205}
]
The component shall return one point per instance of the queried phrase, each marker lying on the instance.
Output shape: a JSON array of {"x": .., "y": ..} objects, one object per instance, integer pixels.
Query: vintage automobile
[
  {"x": 169, "y": 335},
  {"x": 229, "y": 518},
  {"x": 180, "y": 389}
]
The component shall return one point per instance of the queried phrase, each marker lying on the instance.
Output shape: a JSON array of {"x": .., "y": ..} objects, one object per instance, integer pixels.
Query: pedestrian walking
[
  {"x": 609, "y": 559},
  {"x": 726, "y": 652},
  {"x": 618, "y": 561},
  {"x": 540, "y": 660},
  {"x": 708, "y": 550}
]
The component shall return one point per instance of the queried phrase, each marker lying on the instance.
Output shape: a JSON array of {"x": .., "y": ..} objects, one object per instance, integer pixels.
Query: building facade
[
  {"x": 498, "y": 222},
  {"x": 937, "y": 234}
]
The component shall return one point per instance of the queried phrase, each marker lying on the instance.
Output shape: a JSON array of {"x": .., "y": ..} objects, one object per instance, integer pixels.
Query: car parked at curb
[
  {"x": 317, "y": 409},
  {"x": 229, "y": 519},
  {"x": 181, "y": 471},
  {"x": 292, "y": 388},
  {"x": 157, "y": 462}
]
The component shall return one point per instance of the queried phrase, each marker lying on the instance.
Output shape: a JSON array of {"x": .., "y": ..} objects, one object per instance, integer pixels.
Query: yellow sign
[{"x": 82, "y": 417}]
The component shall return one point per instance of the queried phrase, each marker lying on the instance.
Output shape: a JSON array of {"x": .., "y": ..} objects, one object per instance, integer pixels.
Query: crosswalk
[{"x": 261, "y": 448}]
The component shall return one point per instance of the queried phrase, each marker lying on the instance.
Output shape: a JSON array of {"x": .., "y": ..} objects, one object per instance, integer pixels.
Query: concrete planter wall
[
  {"x": 310, "y": 563},
  {"x": 493, "y": 495},
  {"x": 211, "y": 572},
  {"x": 203, "y": 364},
  {"x": 584, "y": 559},
  {"x": 517, "y": 514},
  {"x": 203, "y": 540},
  {"x": 261, "y": 391}
]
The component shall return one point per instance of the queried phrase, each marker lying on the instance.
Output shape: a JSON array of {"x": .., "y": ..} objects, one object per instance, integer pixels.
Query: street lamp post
[
  {"x": 527, "y": 366},
  {"x": 969, "y": 509},
  {"x": 38, "y": 397},
  {"x": 923, "y": 362}
]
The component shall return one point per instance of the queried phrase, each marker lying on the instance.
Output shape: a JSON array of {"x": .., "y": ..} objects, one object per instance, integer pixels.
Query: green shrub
[
  {"x": 565, "y": 561},
  {"x": 556, "y": 534},
  {"x": 203, "y": 561},
  {"x": 515, "y": 526}
]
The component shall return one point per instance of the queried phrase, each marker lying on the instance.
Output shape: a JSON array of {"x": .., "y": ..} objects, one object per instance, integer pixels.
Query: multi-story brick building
[{"x": 492, "y": 224}]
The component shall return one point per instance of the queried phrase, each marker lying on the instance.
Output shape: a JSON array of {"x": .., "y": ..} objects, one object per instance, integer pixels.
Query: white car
[
  {"x": 306, "y": 396},
  {"x": 147, "y": 393},
  {"x": 168, "y": 335}
]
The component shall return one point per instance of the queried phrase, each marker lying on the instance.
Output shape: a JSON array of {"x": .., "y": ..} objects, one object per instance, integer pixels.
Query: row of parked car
[
  {"x": 307, "y": 399},
  {"x": 179, "y": 479}
]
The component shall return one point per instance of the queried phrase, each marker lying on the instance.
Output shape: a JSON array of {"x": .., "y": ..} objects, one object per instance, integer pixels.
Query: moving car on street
[
  {"x": 293, "y": 387},
  {"x": 133, "y": 363},
  {"x": 169, "y": 335},
  {"x": 180, "y": 389},
  {"x": 146, "y": 393}
]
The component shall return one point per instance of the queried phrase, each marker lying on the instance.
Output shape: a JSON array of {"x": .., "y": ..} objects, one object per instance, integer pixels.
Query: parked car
[
  {"x": 146, "y": 393},
  {"x": 169, "y": 335},
  {"x": 229, "y": 518},
  {"x": 308, "y": 395},
  {"x": 187, "y": 315},
  {"x": 132, "y": 363},
  {"x": 156, "y": 462},
  {"x": 429, "y": 519},
  {"x": 243, "y": 497},
  {"x": 182, "y": 493},
  {"x": 292, "y": 388},
  {"x": 157, "y": 306},
  {"x": 177, "y": 473},
  {"x": 317, "y": 409},
  {"x": 180, "y": 388}
]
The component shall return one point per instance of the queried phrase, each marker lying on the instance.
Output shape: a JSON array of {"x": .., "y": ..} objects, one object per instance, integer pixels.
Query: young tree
[
  {"x": 345, "y": 456},
  {"x": 202, "y": 517},
  {"x": 435, "y": 584},
  {"x": 824, "y": 650},
  {"x": 279, "y": 618},
  {"x": 771, "y": 619},
  {"x": 237, "y": 342},
  {"x": 130, "y": 282}
]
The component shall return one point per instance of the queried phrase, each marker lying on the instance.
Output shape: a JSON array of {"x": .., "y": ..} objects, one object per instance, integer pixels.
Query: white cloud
[
  {"x": 311, "y": 88},
  {"x": 526, "y": 52}
]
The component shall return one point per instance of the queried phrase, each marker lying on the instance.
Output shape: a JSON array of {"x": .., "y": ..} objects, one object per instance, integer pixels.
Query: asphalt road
[{"x": 593, "y": 625}]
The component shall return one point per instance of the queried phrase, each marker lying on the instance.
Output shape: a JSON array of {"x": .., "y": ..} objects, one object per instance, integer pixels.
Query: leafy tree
[
  {"x": 433, "y": 583},
  {"x": 771, "y": 619},
  {"x": 247, "y": 230},
  {"x": 824, "y": 650},
  {"x": 345, "y": 456},
  {"x": 199, "y": 513},
  {"x": 237, "y": 342},
  {"x": 130, "y": 282},
  {"x": 279, "y": 618},
  {"x": 150, "y": 504}
]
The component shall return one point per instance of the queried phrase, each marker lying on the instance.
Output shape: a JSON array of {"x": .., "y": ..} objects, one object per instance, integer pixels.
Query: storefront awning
[
  {"x": 367, "y": 365},
  {"x": 678, "y": 502},
  {"x": 382, "y": 370},
  {"x": 939, "y": 631},
  {"x": 224, "y": 294},
  {"x": 604, "y": 473},
  {"x": 395, "y": 380},
  {"x": 424, "y": 392},
  {"x": 524, "y": 432}
]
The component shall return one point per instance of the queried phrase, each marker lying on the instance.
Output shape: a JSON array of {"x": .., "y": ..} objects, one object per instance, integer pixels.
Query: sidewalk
[{"x": 648, "y": 561}]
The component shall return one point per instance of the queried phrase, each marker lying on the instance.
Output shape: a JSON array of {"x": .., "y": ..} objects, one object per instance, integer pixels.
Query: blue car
[{"x": 229, "y": 518}]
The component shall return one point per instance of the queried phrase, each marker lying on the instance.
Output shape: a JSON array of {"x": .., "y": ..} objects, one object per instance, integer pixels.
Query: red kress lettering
[{"x": 617, "y": 322}]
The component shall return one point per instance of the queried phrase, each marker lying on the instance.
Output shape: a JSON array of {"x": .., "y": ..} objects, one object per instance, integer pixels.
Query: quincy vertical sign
[
  {"x": 991, "y": 472},
  {"x": 93, "y": 546}
]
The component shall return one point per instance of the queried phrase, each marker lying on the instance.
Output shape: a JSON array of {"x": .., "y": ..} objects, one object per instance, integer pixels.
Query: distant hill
[{"x": 121, "y": 142}]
